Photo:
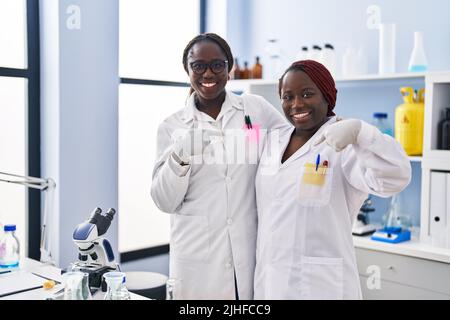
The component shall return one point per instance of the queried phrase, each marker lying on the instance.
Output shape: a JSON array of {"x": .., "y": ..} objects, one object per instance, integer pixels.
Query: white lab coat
[
  {"x": 214, "y": 220},
  {"x": 304, "y": 245}
]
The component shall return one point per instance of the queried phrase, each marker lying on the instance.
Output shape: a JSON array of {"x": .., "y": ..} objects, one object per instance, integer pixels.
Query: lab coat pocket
[
  {"x": 190, "y": 237},
  {"x": 321, "y": 278},
  {"x": 315, "y": 186}
]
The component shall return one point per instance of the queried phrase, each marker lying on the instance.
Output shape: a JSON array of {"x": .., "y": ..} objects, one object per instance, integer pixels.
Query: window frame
[
  {"x": 32, "y": 75},
  {"x": 127, "y": 256}
]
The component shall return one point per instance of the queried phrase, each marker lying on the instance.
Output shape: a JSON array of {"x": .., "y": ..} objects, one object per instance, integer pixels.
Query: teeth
[
  {"x": 209, "y": 85},
  {"x": 300, "y": 115}
]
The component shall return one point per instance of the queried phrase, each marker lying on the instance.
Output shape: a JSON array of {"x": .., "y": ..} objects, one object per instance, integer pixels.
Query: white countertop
[
  {"x": 53, "y": 273},
  {"x": 412, "y": 248}
]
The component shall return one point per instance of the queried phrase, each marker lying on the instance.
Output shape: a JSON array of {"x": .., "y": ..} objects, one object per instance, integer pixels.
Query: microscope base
[
  {"x": 363, "y": 230},
  {"x": 95, "y": 273}
]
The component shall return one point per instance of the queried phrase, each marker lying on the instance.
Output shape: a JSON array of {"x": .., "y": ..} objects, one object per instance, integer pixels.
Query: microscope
[
  {"x": 362, "y": 226},
  {"x": 95, "y": 255}
]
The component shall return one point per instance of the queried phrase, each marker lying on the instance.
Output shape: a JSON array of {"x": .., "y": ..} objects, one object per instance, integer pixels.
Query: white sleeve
[
  {"x": 170, "y": 179},
  {"x": 273, "y": 118},
  {"x": 377, "y": 164}
]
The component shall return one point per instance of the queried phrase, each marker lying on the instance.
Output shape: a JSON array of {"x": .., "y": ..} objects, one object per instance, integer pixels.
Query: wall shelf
[
  {"x": 409, "y": 76},
  {"x": 368, "y": 77}
]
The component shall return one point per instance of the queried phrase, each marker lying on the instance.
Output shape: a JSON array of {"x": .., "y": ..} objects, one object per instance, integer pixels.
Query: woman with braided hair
[
  {"x": 310, "y": 192},
  {"x": 204, "y": 177}
]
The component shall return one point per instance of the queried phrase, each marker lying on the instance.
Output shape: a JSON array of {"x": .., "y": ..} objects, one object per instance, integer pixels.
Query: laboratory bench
[
  {"x": 406, "y": 270},
  {"x": 45, "y": 271}
]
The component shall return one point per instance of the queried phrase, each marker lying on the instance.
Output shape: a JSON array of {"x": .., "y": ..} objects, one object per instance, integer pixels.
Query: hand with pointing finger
[{"x": 193, "y": 142}]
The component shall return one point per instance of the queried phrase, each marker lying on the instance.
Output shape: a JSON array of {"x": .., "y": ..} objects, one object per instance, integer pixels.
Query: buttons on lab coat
[
  {"x": 228, "y": 265},
  {"x": 229, "y": 221},
  {"x": 228, "y": 179}
]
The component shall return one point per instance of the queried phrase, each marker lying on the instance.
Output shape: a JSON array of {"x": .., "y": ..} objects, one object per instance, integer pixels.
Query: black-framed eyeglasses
[{"x": 216, "y": 66}]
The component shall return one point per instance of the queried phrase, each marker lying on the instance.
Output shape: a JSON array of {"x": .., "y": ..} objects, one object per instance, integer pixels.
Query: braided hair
[
  {"x": 213, "y": 38},
  {"x": 320, "y": 75}
]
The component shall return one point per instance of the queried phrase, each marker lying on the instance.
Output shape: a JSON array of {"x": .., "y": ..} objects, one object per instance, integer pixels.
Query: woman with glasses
[{"x": 207, "y": 158}]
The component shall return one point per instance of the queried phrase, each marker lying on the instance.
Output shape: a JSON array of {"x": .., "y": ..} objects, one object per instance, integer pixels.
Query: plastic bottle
[
  {"x": 257, "y": 70},
  {"x": 116, "y": 289},
  {"x": 418, "y": 61},
  {"x": 386, "y": 63},
  {"x": 409, "y": 119},
  {"x": 274, "y": 66},
  {"x": 9, "y": 248},
  {"x": 348, "y": 62},
  {"x": 303, "y": 54},
  {"x": 328, "y": 58},
  {"x": 362, "y": 62},
  {"x": 380, "y": 121},
  {"x": 444, "y": 132},
  {"x": 316, "y": 53}
]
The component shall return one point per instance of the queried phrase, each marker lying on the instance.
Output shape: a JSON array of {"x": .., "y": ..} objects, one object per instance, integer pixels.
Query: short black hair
[{"x": 213, "y": 38}]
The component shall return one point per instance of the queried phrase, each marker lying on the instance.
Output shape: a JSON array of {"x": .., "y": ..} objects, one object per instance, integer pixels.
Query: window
[
  {"x": 13, "y": 150},
  {"x": 12, "y": 34},
  {"x": 153, "y": 86},
  {"x": 19, "y": 118}
]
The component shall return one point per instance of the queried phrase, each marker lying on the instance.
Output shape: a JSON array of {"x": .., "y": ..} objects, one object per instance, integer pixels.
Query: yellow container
[{"x": 409, "y": 121}]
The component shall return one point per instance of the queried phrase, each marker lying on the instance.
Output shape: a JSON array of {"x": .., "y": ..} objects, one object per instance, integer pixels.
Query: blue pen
[{"x": 317, "y": 161}]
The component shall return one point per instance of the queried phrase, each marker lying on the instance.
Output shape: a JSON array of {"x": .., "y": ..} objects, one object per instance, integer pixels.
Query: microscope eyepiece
[
  {"x": 95, "y": 212},
  {"x": 102, "y": 220},
  {"x": 110, "y": 213}
]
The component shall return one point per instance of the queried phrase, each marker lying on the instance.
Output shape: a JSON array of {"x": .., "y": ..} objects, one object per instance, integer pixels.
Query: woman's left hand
[{"x": 340, "y": 134}]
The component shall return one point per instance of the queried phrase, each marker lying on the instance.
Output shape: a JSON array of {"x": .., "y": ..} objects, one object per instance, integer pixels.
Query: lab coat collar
[
  {"x": 284, "y": 141},
  {"x": 232, "y": 102}
]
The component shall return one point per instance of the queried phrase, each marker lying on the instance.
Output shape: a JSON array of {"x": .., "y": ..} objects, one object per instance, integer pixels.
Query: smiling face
[
  {"x": 208, "y": 85},
  {"x": 303, "y": 103}
]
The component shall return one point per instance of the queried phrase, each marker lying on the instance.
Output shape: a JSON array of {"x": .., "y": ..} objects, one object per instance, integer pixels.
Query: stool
[{"x": 148, "y": 284}]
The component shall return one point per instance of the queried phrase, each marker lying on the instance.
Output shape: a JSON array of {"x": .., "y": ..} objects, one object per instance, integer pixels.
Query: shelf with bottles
[
  {"x": 245, "y": 71},
  {"x": 394, "y": 77},
  {"x": 438, "y": 100},
  {"x": 366, "y": 77}
]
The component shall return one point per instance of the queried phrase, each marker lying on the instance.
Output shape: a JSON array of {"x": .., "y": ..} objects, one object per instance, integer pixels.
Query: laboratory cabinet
[
  {"x": 401, "y": 276},
  {"x": 435, "y": 210}
]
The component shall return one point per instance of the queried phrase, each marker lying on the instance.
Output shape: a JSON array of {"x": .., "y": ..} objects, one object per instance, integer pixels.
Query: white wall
[
  {"x": 79, "y": 110},
  {"x": 343, "y": 23}
]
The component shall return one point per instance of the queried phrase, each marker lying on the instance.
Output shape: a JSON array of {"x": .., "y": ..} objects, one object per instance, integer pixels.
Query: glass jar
[
  {"x": 380, "y": 121},
  {"x": 9, "y": 248},
  {"x": 76, "y": 286},
  {"x": 172, "y": 289},
  {"x": 116, "y": 289}
]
